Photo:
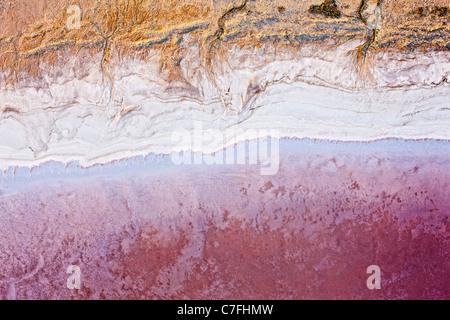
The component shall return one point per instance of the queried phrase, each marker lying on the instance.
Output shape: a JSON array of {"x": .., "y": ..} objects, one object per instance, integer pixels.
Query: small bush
[{"x": 328, "y": 8}]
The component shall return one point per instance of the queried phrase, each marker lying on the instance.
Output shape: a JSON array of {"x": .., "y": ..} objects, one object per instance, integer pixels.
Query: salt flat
[{"x": 80, "y": 116}]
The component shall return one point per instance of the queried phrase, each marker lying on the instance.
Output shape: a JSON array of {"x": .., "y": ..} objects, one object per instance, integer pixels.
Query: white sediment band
[{"x": 72, "y": 114}]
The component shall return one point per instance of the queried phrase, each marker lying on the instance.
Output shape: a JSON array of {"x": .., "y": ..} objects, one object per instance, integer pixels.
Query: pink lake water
[{"x": 146, "y": 228}]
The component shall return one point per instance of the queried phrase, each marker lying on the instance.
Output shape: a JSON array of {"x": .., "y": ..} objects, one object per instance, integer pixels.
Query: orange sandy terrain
[{"x": 32, "y": 31}]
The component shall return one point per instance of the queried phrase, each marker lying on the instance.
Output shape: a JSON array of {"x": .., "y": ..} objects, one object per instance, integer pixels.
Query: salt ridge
[{"x": 74, "y": 114}]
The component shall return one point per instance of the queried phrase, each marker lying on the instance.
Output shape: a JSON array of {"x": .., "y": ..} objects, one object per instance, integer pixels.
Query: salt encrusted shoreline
[{"x": 74, "y": 114}]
